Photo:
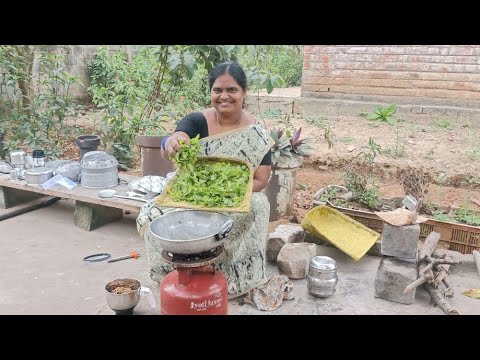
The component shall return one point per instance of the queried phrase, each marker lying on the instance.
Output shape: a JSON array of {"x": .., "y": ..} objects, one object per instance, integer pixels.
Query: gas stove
[{"x": 193, "y": 260}]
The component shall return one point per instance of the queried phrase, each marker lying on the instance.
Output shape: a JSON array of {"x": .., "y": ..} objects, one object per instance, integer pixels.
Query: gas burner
[{"x": 192, "y": 260}]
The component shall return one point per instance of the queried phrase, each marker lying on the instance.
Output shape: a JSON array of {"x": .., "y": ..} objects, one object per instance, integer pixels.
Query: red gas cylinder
[{"x": 194, "y": 291}]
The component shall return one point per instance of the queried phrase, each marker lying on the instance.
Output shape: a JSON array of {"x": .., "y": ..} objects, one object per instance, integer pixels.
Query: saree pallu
[{"x": 243, "y": 260}]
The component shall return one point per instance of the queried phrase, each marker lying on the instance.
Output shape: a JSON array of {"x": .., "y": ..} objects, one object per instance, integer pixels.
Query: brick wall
[{"x": 428, "y": 75}]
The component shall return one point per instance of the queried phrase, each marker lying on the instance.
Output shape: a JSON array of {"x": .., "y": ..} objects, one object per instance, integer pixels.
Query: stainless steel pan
[{"x": 191, "y": 231}]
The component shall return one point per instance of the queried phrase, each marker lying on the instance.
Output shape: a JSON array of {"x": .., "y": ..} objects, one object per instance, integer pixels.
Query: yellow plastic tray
[
  {"x": 164, "y": 199},
  {"x": 348, "y": 235}
]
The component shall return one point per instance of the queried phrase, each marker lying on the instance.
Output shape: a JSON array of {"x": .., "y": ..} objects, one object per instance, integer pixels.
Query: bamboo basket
[
  {"x": 459, "y": 237},
  {"x": 164, "y": 199},
  {"x": 347, "y": 234}
]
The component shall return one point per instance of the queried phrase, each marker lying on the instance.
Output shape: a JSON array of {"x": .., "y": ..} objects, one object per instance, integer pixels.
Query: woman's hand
[{"x": 172, "y": 144}]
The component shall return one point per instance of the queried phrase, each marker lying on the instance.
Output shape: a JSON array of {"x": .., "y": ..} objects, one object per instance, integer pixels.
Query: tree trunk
[
  {"x": 26, "y": 53},
  {"x": 128, "y": 49}
]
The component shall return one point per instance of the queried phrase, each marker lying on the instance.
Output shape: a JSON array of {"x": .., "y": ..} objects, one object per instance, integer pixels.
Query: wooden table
[{"x": 91, "y": 211}]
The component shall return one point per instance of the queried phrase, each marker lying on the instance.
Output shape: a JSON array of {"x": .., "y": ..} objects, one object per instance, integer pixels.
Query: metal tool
[
  {"x": 133, "y": 255},
  {"x": 109, "y": 193}
]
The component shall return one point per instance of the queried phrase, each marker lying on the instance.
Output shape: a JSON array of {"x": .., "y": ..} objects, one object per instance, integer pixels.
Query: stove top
[{"x": 192, "y": 260}]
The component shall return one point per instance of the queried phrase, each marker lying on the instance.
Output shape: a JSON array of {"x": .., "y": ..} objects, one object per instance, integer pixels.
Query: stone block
[
  {"x": 293, "y": 259},
  {"x": 400, "y": 241},
  {"x": 393, "y": 276},
  {"x": 91, "y": 216},
  {"x": 283, "y": 234}
]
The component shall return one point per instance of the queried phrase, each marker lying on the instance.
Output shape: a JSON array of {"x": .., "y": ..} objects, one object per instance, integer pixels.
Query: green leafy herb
[
  {"x": 211, "y": 184},
  {"x": 187, "y": 154}
]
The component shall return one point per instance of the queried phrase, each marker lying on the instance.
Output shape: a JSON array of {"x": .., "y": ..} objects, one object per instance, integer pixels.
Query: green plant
[
  {"x": 443, "y": 123},
  {"x": 288, "y": 143},
  {"x": 317, "y": 119},
  {"x": 284, "y": 60},
  {"x": 467, "y": 216},
  {"x": 271, "y": 113},
  {"x": 36, "y": 116},
  {"x": 473, "y": 153},
  {"x": 369, "y": 152},
  {"x": 364, "y": 192},
  {"x": 383, "y": 113}
]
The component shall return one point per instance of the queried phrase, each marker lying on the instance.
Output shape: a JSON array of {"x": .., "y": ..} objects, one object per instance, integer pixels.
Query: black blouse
[{"x": 196, "y": 123}]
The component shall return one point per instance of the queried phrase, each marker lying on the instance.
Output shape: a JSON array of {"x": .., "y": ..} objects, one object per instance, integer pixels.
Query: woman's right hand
[{"x": 172, "y": 145}]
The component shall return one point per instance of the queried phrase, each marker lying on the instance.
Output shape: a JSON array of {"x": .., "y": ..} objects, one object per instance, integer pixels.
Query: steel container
[
  {"x": 17, "y": 158},
  {"x": 38, "y": 175},
  {"x": 190, "y": 231},
  {"x": 98, "y": 170},
  {"x": 124, "y": 303},
  {"x": 322, "y": 276}
]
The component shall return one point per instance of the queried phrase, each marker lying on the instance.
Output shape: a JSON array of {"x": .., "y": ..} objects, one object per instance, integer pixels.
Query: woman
[{"x": 226, "y": 130}]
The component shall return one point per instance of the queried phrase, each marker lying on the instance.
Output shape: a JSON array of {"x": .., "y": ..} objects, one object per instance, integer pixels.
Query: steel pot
[
  {"x": 190, "y": 231},
  {"x": 17, "y": 157},
  {"x": 38, "y": 175},
  {"x": 125, "y": 302},
  {"x": 322, "y": 276}
]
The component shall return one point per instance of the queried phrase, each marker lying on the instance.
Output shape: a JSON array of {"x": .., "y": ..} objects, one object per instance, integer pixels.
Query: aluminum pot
[
  {"x": 17, "y": 157},
  {"x": 38, "y": 175},
  {"x": 190, "y": 231}
]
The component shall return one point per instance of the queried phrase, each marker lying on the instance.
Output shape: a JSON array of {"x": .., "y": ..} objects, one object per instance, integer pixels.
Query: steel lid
[
  {"x": 323, "y": 263},
  {"x": 98, "y": 160},
  {"x": 39, "y": 171}
]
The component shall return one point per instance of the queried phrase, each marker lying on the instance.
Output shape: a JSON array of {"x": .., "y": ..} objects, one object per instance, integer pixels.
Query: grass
[
  {"x": 443, "y": 123},
  {"x": 346, "y": 139},
  {"x": 319, "y": 120},
  {"x": 272, "y": 114}
]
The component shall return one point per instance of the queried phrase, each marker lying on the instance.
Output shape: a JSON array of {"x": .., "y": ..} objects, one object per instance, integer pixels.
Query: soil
[{"x": 445, "y": 149}]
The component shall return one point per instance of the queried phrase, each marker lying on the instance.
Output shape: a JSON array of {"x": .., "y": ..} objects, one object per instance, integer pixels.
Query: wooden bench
[{"x": 91, "y": 211}]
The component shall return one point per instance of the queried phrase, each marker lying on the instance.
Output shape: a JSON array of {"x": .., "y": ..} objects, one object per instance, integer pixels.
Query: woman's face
[{"x": 227, "y": 96}]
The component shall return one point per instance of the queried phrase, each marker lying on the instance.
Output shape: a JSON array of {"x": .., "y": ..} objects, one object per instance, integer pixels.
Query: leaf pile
[
  {"x": 187, "y": 154},
  {"x": 219, "y": 184}
]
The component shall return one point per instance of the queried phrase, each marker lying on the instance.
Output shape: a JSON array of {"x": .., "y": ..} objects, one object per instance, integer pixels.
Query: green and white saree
[{"x": 243, "y": 261}]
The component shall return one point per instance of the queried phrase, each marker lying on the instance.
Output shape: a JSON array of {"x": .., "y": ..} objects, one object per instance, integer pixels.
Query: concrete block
[
  {"x": 283, "y": 234},
  {"x": 91, "y": 216},
  {"x": 400, "y": 241},
  {"x": 10, "y": 197},
  {"x": 393, "y": 276}
]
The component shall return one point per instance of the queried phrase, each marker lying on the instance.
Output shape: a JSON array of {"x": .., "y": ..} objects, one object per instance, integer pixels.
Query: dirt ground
[{"x": 446, "y": 149}]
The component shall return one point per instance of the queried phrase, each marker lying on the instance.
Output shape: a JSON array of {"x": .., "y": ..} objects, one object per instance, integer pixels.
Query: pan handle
[
  {"x": 224, "y": 230},
  {"x": 149, "y": 212}
]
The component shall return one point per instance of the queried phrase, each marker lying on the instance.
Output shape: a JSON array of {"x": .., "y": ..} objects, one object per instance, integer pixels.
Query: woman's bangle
[{"x": 164, "y": 141}]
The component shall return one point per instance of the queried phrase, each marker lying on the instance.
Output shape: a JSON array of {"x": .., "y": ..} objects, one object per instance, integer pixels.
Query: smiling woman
[{"x": 225, "y": 130}]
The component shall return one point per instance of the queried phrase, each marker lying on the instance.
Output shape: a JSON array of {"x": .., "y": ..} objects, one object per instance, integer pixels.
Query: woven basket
[
  {"x": 348, "y": 235},
  {"x": 164, "y": 199}
]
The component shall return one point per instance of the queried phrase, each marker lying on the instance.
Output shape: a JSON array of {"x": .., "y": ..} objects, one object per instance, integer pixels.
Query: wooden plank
[{"x": 80, "y": 193}]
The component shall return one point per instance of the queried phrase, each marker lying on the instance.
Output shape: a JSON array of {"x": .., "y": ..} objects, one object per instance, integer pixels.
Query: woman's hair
[{"x": 231, "y": 68}]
